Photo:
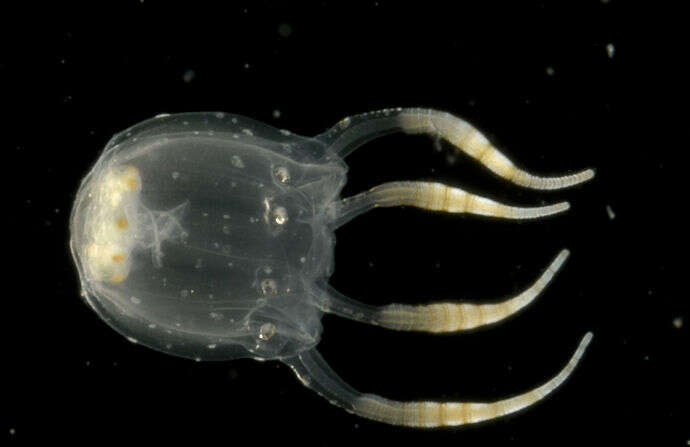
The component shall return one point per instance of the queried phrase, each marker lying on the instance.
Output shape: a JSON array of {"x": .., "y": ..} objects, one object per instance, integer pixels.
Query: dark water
[{"x": 558, "y": 87}]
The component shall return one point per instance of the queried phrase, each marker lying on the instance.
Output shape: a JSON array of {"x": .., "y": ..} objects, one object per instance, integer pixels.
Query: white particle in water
[
  {"x": 610, "y": 50},
  {"x": 284, "y": 30},
  {"x": 610, "y": 212},
  {"x": 188, "y": 76}
]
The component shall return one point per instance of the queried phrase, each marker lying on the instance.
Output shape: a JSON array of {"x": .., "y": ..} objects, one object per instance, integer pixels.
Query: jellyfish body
[{"x": 210, "y": 236}]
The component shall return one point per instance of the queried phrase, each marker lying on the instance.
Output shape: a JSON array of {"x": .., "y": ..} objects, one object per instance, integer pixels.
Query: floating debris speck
[
  {"x": 678, "y": 322},
  {"x": 284, "y": 30},
  {"x": 610, "y": 212},
  {"x": 610, "y": 50},
  {"x": 188, "y": 76}
]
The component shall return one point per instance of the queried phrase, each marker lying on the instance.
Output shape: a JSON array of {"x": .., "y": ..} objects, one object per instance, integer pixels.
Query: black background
[{"x": 536, "y": 77}]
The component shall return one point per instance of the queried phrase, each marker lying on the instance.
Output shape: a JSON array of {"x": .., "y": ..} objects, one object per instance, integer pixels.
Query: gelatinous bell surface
[{"x": 201, "y": 235}]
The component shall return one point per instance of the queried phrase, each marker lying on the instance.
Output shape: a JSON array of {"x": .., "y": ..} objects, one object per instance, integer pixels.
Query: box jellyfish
[{"x": 211, "y": 236}]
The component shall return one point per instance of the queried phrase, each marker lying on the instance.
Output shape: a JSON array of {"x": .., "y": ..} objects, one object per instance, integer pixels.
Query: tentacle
[
  {"x": 439, "y": 317},
  {"x": 315, "y": 373},
  {"x": 469, "y": 140},
  {"x": 352, "y": 132},
  {"x": 436, "y": 197},
  {"x": 450, "y": 317}
]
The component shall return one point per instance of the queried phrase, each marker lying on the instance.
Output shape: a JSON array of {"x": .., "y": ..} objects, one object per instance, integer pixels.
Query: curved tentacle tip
[
  {"x": 537, "y": 212},
  {"x": 557, "y": 208},
  {"x": 527, "y": 180},
  {"x": 575, "y": 179},
  {"x": 560, "y": 259},
  {"x": 588, "y": 175},
  {"x": 586, "y": 340}
]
